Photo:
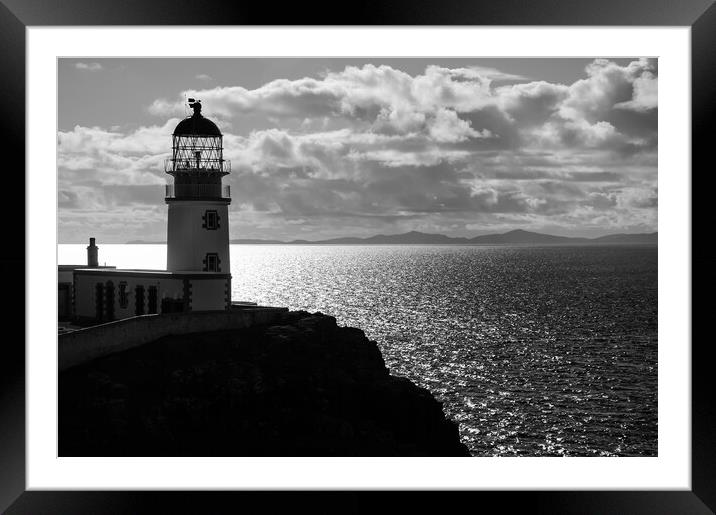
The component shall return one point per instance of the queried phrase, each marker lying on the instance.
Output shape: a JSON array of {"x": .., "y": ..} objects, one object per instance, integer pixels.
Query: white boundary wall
[{"x": 83, "y": 345}]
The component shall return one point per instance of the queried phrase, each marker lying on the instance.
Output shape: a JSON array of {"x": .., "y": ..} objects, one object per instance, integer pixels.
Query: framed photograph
[{"x": 412, "y": 252}]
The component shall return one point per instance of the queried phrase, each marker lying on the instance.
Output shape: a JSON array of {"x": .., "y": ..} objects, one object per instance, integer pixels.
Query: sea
[{"x": 533, "y": 350}]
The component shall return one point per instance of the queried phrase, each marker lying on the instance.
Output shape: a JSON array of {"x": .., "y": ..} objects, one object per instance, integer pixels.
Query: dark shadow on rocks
[{"x": 303, "y": 388}]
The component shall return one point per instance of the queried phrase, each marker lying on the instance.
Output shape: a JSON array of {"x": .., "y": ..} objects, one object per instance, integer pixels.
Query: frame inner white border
[{"x": 670, "y": 470}]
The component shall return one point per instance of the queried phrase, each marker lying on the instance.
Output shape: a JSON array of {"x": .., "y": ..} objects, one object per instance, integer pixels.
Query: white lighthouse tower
[{"x": 198, "y": 218}]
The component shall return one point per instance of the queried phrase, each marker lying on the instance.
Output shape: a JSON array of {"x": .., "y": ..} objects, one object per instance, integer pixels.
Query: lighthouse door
[
  {"x": 152, "y": 300},
  {"x": 139, "y": 300},
  {"x": 109, "y": 300}
]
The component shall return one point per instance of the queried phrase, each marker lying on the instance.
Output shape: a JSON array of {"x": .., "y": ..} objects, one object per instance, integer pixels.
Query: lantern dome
[{"x": 196, "y": 125}]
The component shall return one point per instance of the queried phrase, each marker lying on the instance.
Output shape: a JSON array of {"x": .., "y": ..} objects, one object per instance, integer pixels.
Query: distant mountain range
[{"x": 516, "y": 237}]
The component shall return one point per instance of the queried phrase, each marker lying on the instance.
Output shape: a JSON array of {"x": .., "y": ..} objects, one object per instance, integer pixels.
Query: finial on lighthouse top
[
  {"x": 197, "y": 124},
  {"x": 196, "y": 106}
]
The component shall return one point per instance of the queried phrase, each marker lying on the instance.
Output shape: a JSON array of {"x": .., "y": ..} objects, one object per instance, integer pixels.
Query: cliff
[{"x": 303, "y": 388}]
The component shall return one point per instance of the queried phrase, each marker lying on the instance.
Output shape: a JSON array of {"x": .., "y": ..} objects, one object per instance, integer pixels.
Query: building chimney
[{"x": 92, "y": 260}]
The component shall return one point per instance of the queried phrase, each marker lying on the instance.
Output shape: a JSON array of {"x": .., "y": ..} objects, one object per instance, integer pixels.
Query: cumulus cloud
[
  {"x": 645, "y": 94},
  {"x": 356, "y": 93},
  {"x": 91, "y": 67},
  {"x": 531, "y": 103},
  {"x": 607, "y": 84},
  {"x": 378, "y": 149},
  {"x": 107, "y": 169}
]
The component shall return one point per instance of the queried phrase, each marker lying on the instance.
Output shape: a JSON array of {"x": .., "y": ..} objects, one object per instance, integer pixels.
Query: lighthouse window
[
  {"x": 123, "y": 300},
  {"x": 211, "y": 220},
  {"x": 211, "y": 263},
  {"x": 152, "y": 300}
]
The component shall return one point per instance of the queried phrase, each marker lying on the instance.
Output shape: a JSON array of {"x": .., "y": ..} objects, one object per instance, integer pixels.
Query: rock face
[{"x": 303, "y": 388}]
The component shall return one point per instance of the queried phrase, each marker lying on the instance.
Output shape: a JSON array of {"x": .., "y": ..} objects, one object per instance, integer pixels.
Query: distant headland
[{"x": 518, "y": 236}]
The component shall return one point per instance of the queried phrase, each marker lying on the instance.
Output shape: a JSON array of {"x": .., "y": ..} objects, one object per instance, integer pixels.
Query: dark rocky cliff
[{"x": 303, "y": 388}]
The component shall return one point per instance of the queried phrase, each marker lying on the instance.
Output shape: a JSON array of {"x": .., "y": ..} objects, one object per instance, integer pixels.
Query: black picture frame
[{"x": 16, "y": 15}]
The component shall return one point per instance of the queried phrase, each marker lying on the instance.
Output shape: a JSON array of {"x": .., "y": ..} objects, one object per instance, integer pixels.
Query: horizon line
[{"x": 275, "y": 241}]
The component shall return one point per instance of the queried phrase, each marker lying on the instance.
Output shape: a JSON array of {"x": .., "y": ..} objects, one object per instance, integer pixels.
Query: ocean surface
[{"x": 534, "y": 351}]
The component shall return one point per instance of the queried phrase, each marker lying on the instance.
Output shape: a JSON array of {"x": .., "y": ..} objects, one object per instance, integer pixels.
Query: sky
[{"x": 322, "y": 148}]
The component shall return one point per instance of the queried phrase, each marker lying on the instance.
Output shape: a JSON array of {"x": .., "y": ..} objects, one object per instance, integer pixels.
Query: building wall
[
  {"x": 65, "y": 288},
  {"x": 210, "y": 294},
  {"x": 197, "y": 293},
  {"x": 64, "y": 301},
  {"x": 188, "y": 238},
  {"x": 83, "y": 345},
  {"x": 65, "y": 276},
  {"x": 86, "y": 293}
]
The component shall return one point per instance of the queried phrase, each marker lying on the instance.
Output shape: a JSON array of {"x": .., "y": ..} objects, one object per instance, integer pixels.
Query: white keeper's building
[{"x": 198, "y": 274}]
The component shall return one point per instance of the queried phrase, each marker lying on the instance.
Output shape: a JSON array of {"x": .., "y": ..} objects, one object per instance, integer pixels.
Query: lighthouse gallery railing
[
  {"x": 197, "y": 165},
  {"x": 189, "y": 191}
]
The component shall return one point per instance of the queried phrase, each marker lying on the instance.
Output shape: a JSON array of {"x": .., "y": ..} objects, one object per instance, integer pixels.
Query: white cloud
[
  {"x": 646, "y": 89},
  {"x": 91, "y": 67},
  {"x": 356, "y": 93},
  {"x": 608, "y": 85},
  {"x": 436, "y": 149},
  {"x": 577, "y": 133},
  {"x": 531, "y": 102},
  {"x": 103, "y": 157},
  {"x": 446, "y": 127}
]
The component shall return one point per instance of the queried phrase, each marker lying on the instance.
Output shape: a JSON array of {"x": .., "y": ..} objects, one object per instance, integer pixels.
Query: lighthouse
[
  {"x": 198, "y": 217},
  {"x": 198, "y": 274}
]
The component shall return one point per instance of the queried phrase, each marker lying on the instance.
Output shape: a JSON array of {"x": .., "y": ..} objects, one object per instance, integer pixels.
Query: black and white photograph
[{"x": 357, "y": 256}]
